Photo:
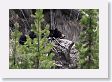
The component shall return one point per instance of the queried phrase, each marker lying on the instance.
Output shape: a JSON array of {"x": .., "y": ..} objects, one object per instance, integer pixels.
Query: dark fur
[
  {"x": 55, "y": 33},
  {"x": 22, "y": 39},
  {"x": 32, "y": 35}
]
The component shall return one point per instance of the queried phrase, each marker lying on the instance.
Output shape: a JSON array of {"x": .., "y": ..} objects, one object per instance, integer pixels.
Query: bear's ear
[{"x": 56, "y": 29}]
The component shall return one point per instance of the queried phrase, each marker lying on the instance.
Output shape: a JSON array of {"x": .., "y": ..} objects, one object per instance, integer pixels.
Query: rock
[{"x": 66, "y": 56}]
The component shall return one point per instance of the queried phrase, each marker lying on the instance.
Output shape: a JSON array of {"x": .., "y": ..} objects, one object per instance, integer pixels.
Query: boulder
[{"x": 66, "y": 56}]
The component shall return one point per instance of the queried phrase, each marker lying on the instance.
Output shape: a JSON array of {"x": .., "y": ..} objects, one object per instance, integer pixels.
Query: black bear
[
  {"x": 53, "y": 34},
  {"x": 56, "y": 33},
  {"x": 32, "y": 35},
  {"x": 22, "y": 39}
]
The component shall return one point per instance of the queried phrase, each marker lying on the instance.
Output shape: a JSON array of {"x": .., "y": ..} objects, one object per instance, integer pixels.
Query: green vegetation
[
  {"x": 88, "y": 45},
  {"x": 30, "y": 55},
  {"x": 39, "y": 55}
]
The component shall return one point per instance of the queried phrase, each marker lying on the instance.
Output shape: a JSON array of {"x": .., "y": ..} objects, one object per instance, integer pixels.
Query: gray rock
[{"x": 66, "y": 56}]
